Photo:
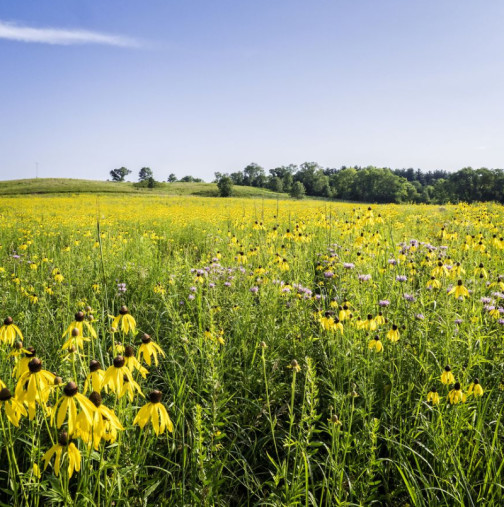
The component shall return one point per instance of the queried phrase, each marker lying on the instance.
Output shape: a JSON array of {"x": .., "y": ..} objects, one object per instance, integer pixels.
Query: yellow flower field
[{"x": 243, "y": 352}]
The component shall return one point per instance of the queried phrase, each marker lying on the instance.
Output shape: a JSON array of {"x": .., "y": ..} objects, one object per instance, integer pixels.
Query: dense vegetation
[
  {"x": 380, "y": 185},
  {"x": 310, "y": 353}
]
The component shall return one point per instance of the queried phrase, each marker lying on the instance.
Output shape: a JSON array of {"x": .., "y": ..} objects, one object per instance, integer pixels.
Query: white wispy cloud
[{"x": 14, "y": 31}]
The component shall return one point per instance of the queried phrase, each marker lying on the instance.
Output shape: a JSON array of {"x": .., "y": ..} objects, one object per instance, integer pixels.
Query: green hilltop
[{"x": 70, "y": 185}]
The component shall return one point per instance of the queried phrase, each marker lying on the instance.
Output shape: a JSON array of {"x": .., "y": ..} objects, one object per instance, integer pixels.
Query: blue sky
[{"x": 198, "y": 86}]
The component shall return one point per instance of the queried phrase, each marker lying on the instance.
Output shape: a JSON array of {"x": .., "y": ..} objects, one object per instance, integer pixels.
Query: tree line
[
  {"x": 375, "y": 184},
  {"x": 367, "y": 184}
]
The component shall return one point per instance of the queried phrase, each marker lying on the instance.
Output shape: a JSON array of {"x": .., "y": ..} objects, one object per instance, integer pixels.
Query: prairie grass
[{"x": 266, "y": 312}]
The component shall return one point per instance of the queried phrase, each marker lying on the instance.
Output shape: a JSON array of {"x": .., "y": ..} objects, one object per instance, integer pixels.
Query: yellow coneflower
[
  {"x": 104, "y": 425},
  {"x": 156, "y": 412},
  {"x": 129, "y": 388},
  {"x": 75, "y": 341},
  {"x": 369, "y": 324},
  {"x": 21, "y": 365},
  {"x": 481, "y": 271},
  {"x": 447, "y": 376},
  {"x": 12, "y": 407},
  {"x": 345, "y": 311},
  {"x": 82, "y": 325},
  {"x": 440, "y": 270},
  {"x": 9, "y": 331},
  {"x": 34, "y": 386},
  {"x": 459, "y": 291},
  {"x": 334, "y": 419},
  {"x": 95, "y": 377},
  {"x": 475, "y": 388},
  {"x": 393, "y": 334},
  {"x": 330, "y": 322},
  {"x": 376, "y": 344},
  {"x": 68, "y": 406},
  {"x": 128, "y": 323},
  {"x": 150, "y": 349},
  {"x": 433, "y": 396},
  {"x": 433, "y": 283},
  {"x": 132, "y": 362},
  {"x": 72, "y": 453},
  {"x": 456, "y": 395},
  {"x": 114, "y": 376},
  {"x": 380, "y": 319}
]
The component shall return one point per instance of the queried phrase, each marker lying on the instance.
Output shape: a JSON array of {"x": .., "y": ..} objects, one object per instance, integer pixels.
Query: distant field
[{"x": 65, "y": 185}]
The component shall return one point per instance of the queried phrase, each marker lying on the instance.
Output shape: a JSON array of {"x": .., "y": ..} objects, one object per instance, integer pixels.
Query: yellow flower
[
  {"x": 156, "y": 412},
  {"x": 95, "y": 377},
  {"x": 13, "y": 408},
  {"x": 456, "y": 395},
  {"x": 103, "y": 426},
  {"x": 81, "y": 324},
  {"x": 75, "y": 341},
  {"x": 9, "y": 331},
  {"x": 447, "y": 376},
  {"x": 376, "y": 344},
  {"x": 433, "y": 396},
  {"x": 21, "y": 364},
  {"x": 128, "y": 323},
  {"x": 148, "y": 349},
  {"x": 393, "y": 334},
  {"x": 295, "y": 366},
  {"x": 129, "y": 387},
  {"x": 475, "y": 388},
  {"x": 114, "y": 376},
  {"x": 330, "y": 322},
  {"x": 67, "y": 405},
  {"x": 34, "y": 386},
  {"x": 72, "y": 453},
  {"x": 132, "y": 362},
  {"x": 459, "y": 291}
]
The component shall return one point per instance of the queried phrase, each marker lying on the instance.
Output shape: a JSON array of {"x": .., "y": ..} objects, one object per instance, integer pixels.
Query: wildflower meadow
[{"x": 194, "y": 351}]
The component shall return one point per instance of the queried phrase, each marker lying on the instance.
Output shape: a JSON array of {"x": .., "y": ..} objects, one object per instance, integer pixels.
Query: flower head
[{"x": 156, "y": 412}]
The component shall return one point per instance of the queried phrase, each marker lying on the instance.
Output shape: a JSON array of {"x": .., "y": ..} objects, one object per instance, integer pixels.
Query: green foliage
[
  {"x": 119, "y": 174},
  {"x": 145, "y": 173},
  {"x": 225, "y": 186},
  {"x": 298, "y": 190}
]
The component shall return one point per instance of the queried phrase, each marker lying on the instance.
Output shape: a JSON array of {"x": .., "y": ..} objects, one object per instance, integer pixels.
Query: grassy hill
[{"x": 69, "y": 185}]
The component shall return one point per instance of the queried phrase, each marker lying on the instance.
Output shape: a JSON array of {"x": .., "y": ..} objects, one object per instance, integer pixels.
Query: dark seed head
[
  {"x": 95, "y": 398},
  {"x": 70, "y": 389},
  {"x": 370, "y": 317},
  {"x": 447, "y": 367},
  {"x": 155, "y": 396},
  {"x": 459, "y": 282},
  {"x": 433, "y": 390},
  {"x": 457, "y": 386},
  {"x": 35, "y": 365},
  {"x": 377, "y": 338},
  {"x": 58, "y": 381},
  {"x": 476, "y": 381},
  {"x": 31, "y": 351},
  {"x": 394, "y": 327},
  {"x": 119, "y": 361},
  {"x": 79, "y": 316},
  {"x": 75, "y": 332},
  {"x": 146, "y": 338},
  {"x": 129, "y": 351},
  {"x": 94, "y": 365},
  {"x": 63, "y": 438},
  {"x": 8, "y": 321},
  {"x": 124, "y": 310},
  {"x": 18, "y": 345},
  {"x": 5, "y": 394}
]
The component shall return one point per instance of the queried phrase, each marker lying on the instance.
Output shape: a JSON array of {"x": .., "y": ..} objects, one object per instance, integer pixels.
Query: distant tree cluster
[
  {"x": 146, "y": 177},
  {"x": 373, "y": 184}
]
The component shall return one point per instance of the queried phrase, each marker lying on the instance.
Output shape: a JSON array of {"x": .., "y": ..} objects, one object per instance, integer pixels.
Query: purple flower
[
  {"x": 190, "y": 297},
  {"x": 486, "y": 301},
  {"x": 419, "y": 316},
  {"x": 392, "y": 262},
  {"x": 254, "y": 289},
  {"x": 383, "y": 303},
  {"x": 211, "y": 285},
  {"x": 364, "y": 278},
  {"x": 409, "y": 297},
  {"x": 193, "y": 289},
  {"x": 501, "y": 322},
  {"x": 328, "y": 274},
  {"x": 458, "y": 321},
  {"x": 401, "y": 278},
  {"x": 348, "y": 265},
  {"x": 227, "y": 284}
]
